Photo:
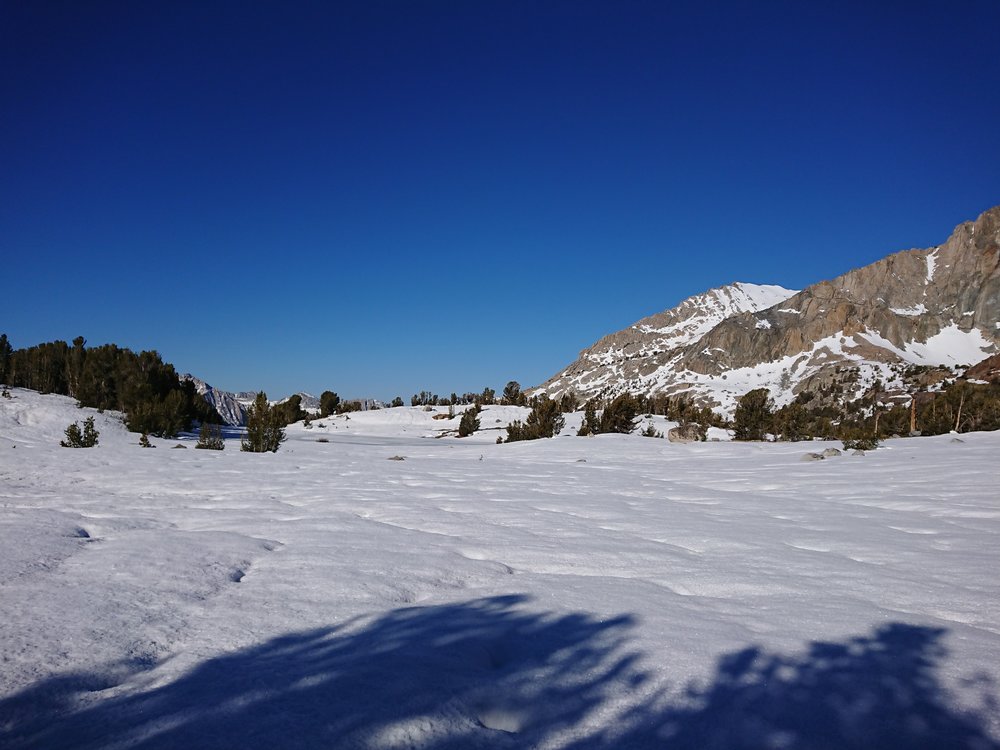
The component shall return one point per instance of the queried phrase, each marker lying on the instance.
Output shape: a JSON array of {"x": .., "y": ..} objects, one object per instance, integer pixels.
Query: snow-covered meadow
[{"x": 608, "y": 592}]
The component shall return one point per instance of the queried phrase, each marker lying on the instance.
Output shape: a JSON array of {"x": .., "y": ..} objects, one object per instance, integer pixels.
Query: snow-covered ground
[{"x": 608, "y": 592}]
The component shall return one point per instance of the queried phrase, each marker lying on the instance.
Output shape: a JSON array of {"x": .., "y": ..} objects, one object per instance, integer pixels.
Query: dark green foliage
[
  {"x": 348, "y": 406},
  {"x": 210, "y": 438},
  {"x": 792, "y": 422},
  {"x": 591, "y": 424},
  {"x": 141, "y": 385},
  {"x": 753, "y": 415},
  {"x": 469, "y": 423},
  {"x": 650, "y": 431},
  {"x": 959, "y": 405},
  {"x": 861, "y": 444},
  {"x": 290, "y": 410},
  {"x": 88, "y": 438},
  {"x": 546, "y": 418},
  {"x": 569, "y": 402},
  {"x": 544, "y": 421},
  {"x": 488, "y": 396},
  {"x": 512, "y": 395},
  {"x": 6, "y": 350},
  {"x": 398, "y": 401},
  {"x": 328, "y": 402},
  {"x": 619, "y": 416},
  {"x": 265, "y": 432},
  {"x": 426, "y": 398}
]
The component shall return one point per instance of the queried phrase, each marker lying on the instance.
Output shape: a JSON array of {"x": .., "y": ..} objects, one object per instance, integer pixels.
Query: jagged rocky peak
[
  {"x": 887, "y": 311},
  {"x": 938, "y": 306}
]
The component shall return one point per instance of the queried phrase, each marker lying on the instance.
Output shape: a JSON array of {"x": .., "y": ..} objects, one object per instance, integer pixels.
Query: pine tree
[
  {"x": 264, "y": 430},
  {"x": 619, "y": 416},
  {"x": 469, "y": 423},
  {"x": 753, "y": 415},
  {"x": 88, "y": 438},
  {"x": 328, "y": 403},
  {"x": 591, "y": 424},
  {"x": 512, "y": 394}
]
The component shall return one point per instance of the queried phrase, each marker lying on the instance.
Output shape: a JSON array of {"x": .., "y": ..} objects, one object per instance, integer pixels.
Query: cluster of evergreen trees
[
  {"x": 544, "y": 421},
  {"x": 141, "y": 385},
  {"x": 426, "y": 398},
  {"x": 959, "y": 405}
]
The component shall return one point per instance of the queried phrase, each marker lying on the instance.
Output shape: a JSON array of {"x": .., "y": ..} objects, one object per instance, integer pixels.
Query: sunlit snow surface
[{"x": 609, "y": 592}]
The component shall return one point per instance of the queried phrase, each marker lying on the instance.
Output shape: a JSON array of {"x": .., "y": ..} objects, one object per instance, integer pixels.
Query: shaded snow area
[{"x": 580, "y": 593}]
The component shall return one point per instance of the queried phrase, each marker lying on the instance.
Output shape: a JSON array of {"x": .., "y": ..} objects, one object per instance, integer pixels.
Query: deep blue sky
[{"x": 384, "y": 197}]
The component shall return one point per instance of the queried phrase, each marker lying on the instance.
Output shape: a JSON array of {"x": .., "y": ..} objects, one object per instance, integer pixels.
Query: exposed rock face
[
  {"x": 939, "y": 306},
  {"x": 226, "y": 404},
  {"x": 883, "y": 309},
  {"x": 988, "y": 370},
  {"x": 631, "y": 359}
]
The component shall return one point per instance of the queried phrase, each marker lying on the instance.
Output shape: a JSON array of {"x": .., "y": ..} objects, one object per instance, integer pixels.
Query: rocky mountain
[
  {"x": 633, "y": 359},
  {"x": 228, "y": 405},
  {"x": 938, "y": 306}
]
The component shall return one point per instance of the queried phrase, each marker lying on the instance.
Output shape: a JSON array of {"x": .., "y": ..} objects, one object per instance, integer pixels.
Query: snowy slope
[
  {"x": 647, "y": 351},
  {"x": 609, "y": 592}
]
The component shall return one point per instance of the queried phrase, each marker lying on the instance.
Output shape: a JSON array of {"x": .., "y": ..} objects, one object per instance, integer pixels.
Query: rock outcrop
[{"x": 227, "y": 404}]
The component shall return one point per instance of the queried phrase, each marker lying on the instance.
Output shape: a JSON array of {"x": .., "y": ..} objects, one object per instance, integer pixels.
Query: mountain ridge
[{"x": 937, "y": 305}]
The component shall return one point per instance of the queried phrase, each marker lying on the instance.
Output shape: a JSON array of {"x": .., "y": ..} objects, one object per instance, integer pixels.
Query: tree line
[{"x": 141, "y": 385}]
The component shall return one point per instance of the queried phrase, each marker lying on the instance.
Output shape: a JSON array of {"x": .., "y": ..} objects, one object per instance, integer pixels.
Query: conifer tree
[
  {"x": 753, "y": 415},
  {"x": 619, "y": 416},
  {"x": 88, "y": 438},
  {"x": 469, "y": 423},
  {"x": 512, "y": 394},
  {"x": 328, "y": 403},
  {"x": 265, "y": 432},
  {"x": 591, "y": 425}
]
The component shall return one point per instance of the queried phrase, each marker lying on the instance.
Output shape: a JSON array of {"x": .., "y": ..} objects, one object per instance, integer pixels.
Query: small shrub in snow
[
  {"x": 650, "y": 431},
  {"x": 88, "y": 438},
  {"x": 144, "y": 441},
  {"x": 861, "y": 444},
  {"x": 210, "y": 438}
]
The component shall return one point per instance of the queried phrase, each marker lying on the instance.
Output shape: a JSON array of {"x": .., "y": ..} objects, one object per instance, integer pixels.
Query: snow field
[{"x": 600, "y": 592}]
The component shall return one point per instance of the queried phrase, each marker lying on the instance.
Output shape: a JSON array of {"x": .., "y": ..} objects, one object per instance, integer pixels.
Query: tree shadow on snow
[
  {"x": 489, "y": 673},
  {"x": 871, "y": 692}
]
